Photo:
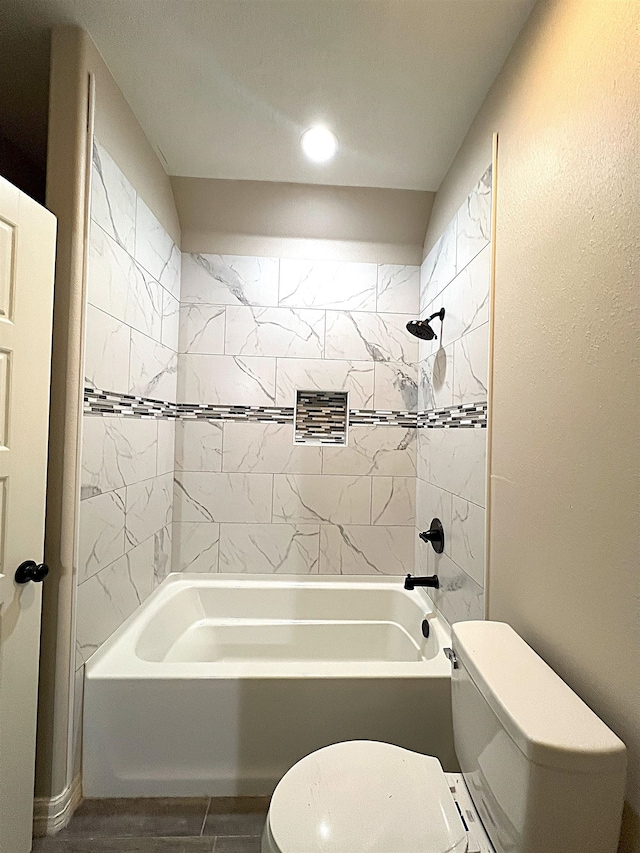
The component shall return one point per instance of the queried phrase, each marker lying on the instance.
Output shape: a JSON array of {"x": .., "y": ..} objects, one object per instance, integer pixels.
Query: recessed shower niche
[{"x": 321, "y": 418}]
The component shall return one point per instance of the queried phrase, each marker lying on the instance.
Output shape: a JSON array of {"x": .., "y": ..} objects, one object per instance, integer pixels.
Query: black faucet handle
[{"x": 435, "y": 535}]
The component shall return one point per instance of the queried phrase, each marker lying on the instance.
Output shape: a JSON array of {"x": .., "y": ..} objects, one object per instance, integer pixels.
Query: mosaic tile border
[
  {"x": 465, "y": 416},
  {"x": 109, "y": 404},
  {"x": 382, "y": 417}
]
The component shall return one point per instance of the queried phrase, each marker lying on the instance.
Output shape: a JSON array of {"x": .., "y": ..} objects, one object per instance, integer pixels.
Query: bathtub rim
[{"x": 116, "y": 658}]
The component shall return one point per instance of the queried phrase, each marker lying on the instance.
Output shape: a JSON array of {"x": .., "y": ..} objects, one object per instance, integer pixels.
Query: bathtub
[{"x": 218, "y": 684}]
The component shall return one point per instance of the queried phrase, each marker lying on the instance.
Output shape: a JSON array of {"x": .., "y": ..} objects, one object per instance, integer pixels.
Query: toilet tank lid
[{"x": 550, "y": 724}]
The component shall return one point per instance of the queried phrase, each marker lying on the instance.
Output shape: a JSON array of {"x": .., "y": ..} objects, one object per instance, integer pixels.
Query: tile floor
[{"x": 194, "y": 825}]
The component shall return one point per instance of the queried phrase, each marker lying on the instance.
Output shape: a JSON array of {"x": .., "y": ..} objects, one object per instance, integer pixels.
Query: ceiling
[{"x": 224, "y": 88}]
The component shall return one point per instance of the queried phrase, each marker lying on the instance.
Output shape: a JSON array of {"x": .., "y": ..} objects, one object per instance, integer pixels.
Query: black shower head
[{"x": 421, "y": 328}]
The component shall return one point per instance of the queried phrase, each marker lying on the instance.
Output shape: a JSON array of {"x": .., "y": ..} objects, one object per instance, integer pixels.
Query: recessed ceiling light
[{"x": 319, "y": 143}]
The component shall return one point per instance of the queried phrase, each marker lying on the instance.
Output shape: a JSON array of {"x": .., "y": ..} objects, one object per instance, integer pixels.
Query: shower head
[{"x": 421, "y": 328}]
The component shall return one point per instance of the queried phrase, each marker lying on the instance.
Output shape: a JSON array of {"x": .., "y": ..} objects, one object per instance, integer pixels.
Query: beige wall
[
  {"x": 383, "y": 226},
  {"x": 118, "y": 130},
  {"x": 74, "y": 59},
  {"x": 564, "y": 503}
]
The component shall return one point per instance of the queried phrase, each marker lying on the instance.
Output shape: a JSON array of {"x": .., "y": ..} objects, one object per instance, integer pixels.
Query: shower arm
[{"x": 439, "y": 314}]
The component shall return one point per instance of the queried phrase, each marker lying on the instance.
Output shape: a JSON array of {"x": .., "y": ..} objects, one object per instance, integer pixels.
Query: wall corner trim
[{"x": 51, "y": 814}]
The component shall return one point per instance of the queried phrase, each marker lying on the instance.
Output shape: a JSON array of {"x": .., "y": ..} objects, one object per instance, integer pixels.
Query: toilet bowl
[
  {"x": 364, "y": 796},
  {"x": 541, "y": 773}
]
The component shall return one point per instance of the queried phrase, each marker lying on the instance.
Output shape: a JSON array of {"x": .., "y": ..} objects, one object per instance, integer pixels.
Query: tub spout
[{"x": 411, "y": 582}]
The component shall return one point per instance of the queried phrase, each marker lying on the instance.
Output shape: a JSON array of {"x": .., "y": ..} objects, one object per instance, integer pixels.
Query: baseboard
[{"x": 51, "y": 814}]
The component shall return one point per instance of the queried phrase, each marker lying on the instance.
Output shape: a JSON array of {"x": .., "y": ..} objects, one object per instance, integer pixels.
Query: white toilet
[{"x": 541, "y": 773}]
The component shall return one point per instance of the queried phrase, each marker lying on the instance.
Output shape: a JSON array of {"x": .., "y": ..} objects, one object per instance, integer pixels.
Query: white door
[{"x": 27, "y": 252}]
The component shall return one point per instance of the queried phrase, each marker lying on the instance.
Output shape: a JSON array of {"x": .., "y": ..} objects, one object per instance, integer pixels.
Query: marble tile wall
[
  {"x": 131, "y": 347},
  {"x": 453, "y": 370},
  {"x": 237, "y": 495},
  {"x": 252, "y": 332}
]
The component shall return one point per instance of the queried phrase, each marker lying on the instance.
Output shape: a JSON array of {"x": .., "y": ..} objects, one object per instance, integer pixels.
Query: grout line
[
  {"x": 204, "y": 819},
  {"x": 273, "y": 489}
]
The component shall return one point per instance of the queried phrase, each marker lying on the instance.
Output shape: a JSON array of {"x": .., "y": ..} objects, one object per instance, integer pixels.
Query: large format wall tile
[
  {"x": 156, "y": 251},
  {"x": 202, "y": 329},
  {"x": 471, "y": 367},
  {"x": 325, "y": 498},
  {"x": 468, "y": 537},
  {"x": 195, "y": 546},
  {"x": 373, "y": 450},
  {"x": 466, "y": 303},
  {"x": 459, "y": 598},
  {"x": 363, "y": 550},
  {"x": 433, "y": 502},
  {"x": 473, "y": 222},
  {"x": 170, "y": 320},
  {"x": 117, "y": 452},
  {"x": 363, "y": 336},
  {"x": 162, "y": 550},
  {"x": 269, "y": 548},
  {"x": 108, "y": 270},
  {"x": 393, "y": 501},
  {"x": 227, "y": 380},
  {"x": 153, "y": 369},
  {"x": 113, "y": 199},
  {"x": 102, "y": 532},
  {"x": 198, "y": 446},
  {"x": 439, "y": 267},
  {"x": 455, "y": 460},
  {"x": 356, "y": 377},
  {"x": 149, "y": 506},
  {"x": 328, "y": 284},
  {"x": 268, "y": 449},
  {"x": 396, "y": 386},
  {"x": 106, "y": 599},
  {"x": 398, "y": 289},
  {"x": 106, "y": 356},
  {"x": 166, "y": 447},
  {"x": 144, "y": 303},
  {"x": 222, "y": 497},
  {"x": 436, "y": 380},
  {"x": 229, "y": 280},
  {"x": 286, "y": 332}
]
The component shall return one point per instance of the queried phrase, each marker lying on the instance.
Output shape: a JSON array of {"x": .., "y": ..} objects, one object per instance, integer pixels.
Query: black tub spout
[{"x": 411, "y": 583}]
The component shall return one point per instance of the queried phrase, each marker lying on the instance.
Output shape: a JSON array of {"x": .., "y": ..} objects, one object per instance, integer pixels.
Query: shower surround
[
  {"x": 192, "y": 364},
  {"x": 452, "y": 398}
]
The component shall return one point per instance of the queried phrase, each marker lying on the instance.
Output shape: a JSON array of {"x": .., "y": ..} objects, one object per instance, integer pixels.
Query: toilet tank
[{"x": 545, "y": 773}]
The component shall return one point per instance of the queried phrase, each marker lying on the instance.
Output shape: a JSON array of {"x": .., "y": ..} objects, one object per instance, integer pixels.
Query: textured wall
[
  {"x": 451, "y": 460},
  {"x": 302, "y": 220},
  {"x": 75, "y": 64},
  {"x": 567, "y": 355}
]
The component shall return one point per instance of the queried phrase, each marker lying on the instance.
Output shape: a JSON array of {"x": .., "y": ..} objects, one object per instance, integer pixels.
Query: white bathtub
[{"x": 218, "y": 684}]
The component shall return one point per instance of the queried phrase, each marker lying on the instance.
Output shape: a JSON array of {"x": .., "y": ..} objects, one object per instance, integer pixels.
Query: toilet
[{"x": 541, "y": 773}]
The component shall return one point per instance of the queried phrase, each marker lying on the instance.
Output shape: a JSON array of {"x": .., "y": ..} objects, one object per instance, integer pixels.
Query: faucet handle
[
  {"x": 451, "y": 656},
  {"x": 435, "y": 535}
]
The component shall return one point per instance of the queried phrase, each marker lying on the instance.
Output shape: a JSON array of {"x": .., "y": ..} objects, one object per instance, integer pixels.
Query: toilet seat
[{"x": 364, "y": 797}]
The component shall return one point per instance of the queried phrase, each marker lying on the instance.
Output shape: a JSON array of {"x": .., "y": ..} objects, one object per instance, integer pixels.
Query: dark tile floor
[{"x": 195, "y": 825}]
